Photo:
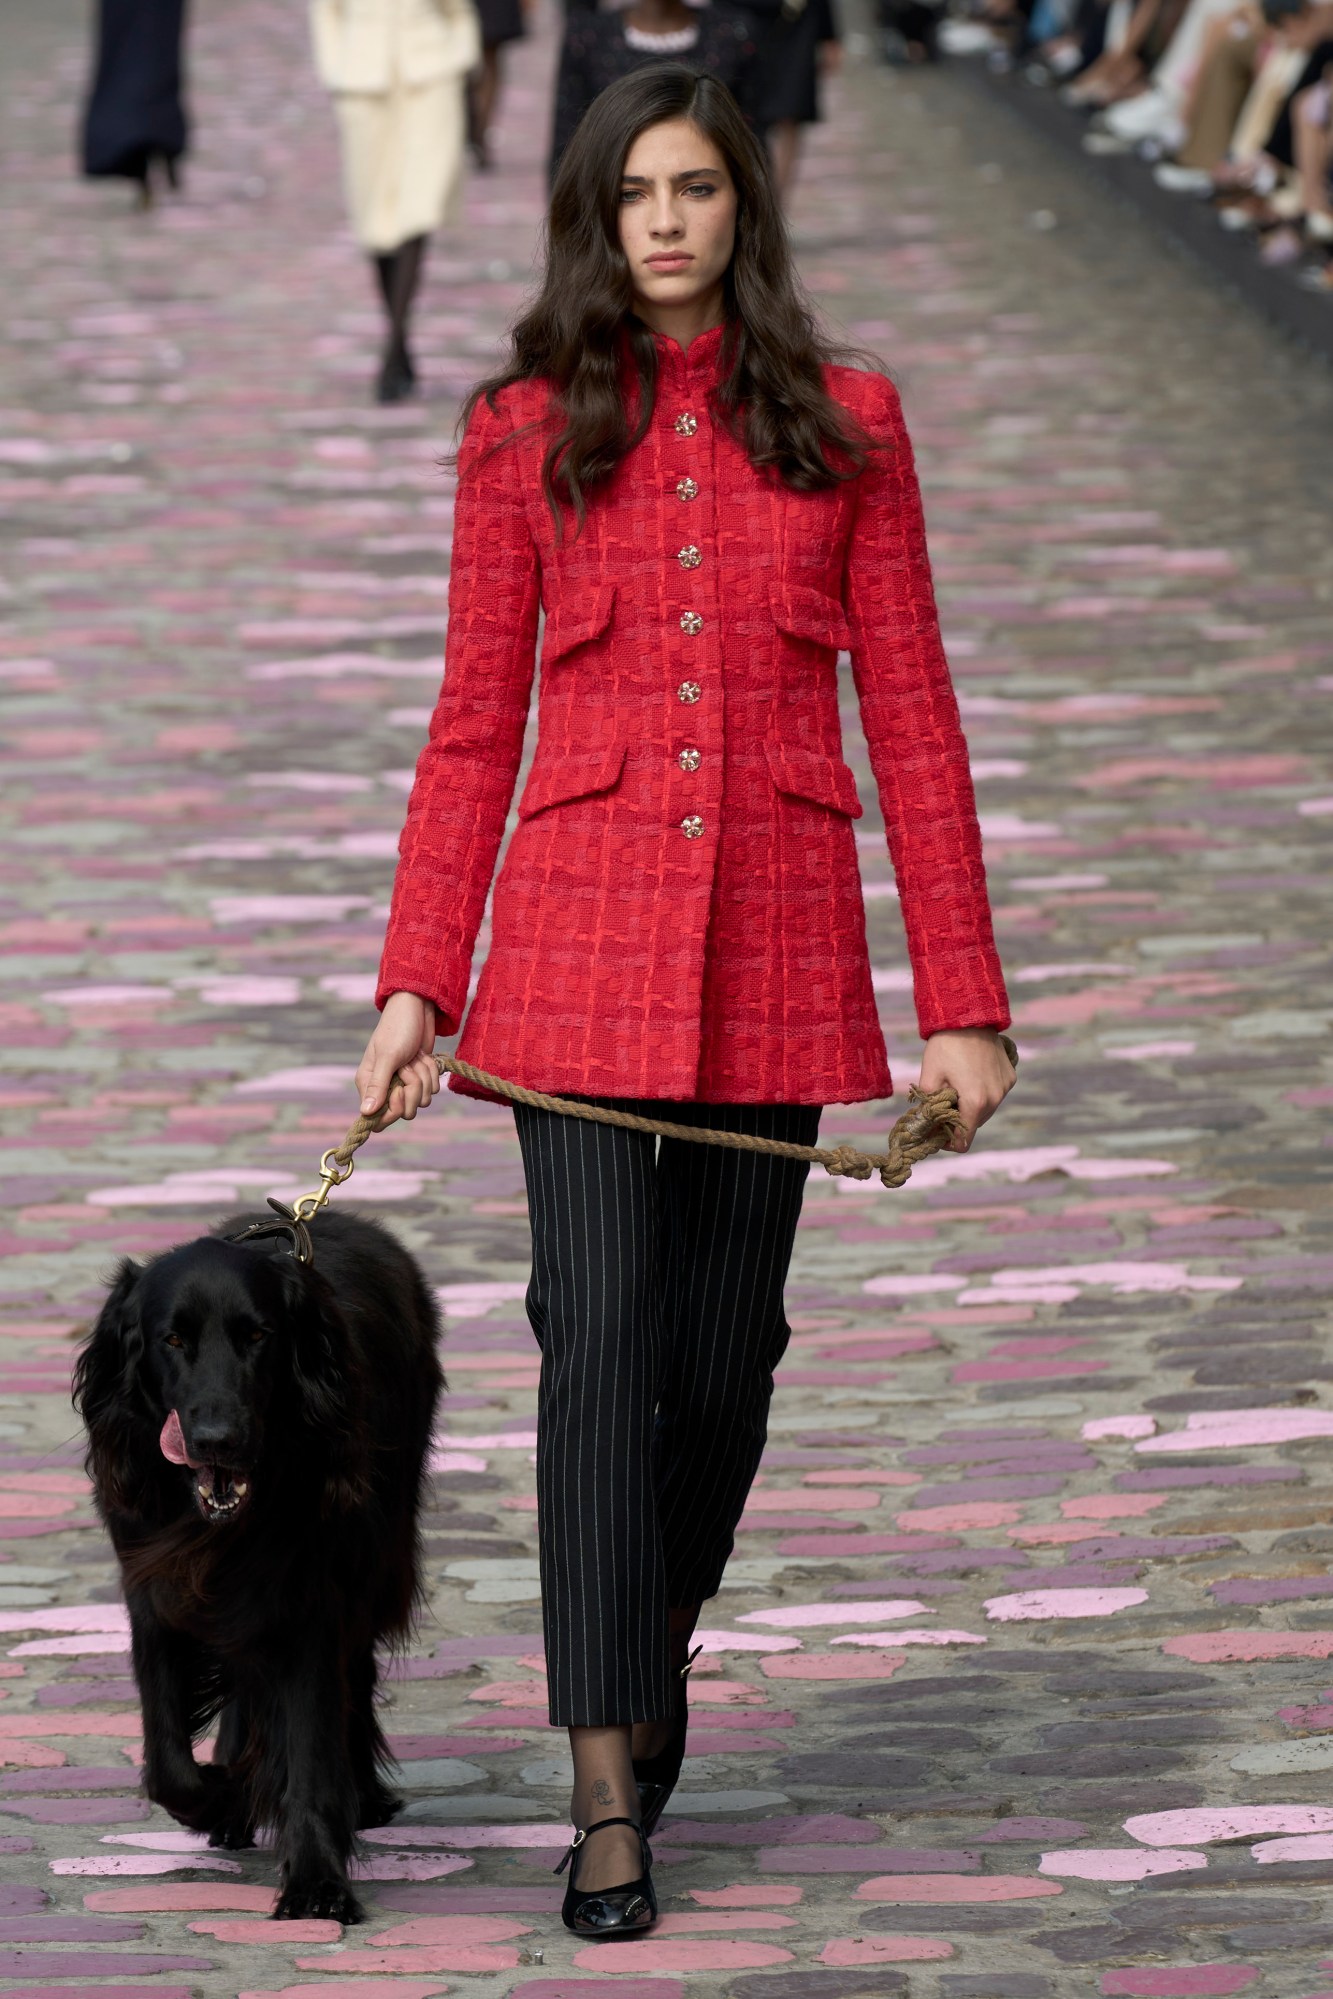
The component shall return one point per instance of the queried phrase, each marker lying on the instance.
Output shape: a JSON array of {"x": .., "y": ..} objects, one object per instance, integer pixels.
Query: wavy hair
[{"x": 770, "y": 392}]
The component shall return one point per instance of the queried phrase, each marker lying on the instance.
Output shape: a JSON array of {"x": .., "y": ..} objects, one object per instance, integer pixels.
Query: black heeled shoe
[
  {"x": 657, "y": 1776},
  {"x": 623, "y": 1911}
]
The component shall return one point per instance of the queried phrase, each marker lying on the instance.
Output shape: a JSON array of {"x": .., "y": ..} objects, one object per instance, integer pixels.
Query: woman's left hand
[{"x": 973, "y": 1060}]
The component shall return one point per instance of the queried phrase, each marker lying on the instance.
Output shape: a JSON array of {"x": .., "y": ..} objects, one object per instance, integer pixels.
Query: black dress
[
  {"x": 595, "y": 54},
  {"x": 501, "y": 21},
  {"x": 135, "y": 113},
  {"x": 789, "y": 36}
]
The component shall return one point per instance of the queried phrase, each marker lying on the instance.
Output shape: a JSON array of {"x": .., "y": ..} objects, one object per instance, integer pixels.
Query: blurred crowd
[{"x": 1227, "y": 101}]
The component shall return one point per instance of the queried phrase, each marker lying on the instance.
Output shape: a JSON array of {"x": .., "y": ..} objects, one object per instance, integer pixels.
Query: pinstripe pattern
[{"x": 656, "y": 1299}]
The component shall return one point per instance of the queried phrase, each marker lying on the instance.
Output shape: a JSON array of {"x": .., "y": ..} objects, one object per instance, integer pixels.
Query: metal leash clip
[{"x": 331, "y": 1175}]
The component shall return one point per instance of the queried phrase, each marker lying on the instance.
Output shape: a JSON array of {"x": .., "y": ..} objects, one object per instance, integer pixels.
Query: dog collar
[{"x": 288, "y": 1223}]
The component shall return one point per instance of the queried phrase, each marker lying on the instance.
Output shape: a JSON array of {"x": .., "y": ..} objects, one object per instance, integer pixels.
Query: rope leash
[{"x": 927, "y": 1126}]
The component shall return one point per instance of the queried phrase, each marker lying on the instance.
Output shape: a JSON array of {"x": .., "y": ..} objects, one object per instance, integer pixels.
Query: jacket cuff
[
  {"x": 988, "y": 1011},
  {"x": 410, "y": 979}
]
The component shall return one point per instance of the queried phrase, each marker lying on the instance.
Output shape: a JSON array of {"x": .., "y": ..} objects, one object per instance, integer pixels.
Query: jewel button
[
  {"x": 691, "y": 622},
  {"x": 692, "y": 827},
  {"x": 686, "y": 424},
  {"x": 686, "y": 489},
  {"x": 688, "y": 692},
  {"x": 689, "y": 759},
  {"x": 689, "y": 558}
]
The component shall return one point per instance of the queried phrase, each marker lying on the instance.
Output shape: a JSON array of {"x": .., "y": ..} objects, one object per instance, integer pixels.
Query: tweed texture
[{"x": 679, "y": 913}]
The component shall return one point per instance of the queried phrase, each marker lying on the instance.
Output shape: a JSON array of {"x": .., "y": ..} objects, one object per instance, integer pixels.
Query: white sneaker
[
  {"x": 965, "y": 38},
  {"x": 1183, "y": 180},
  {"x": 1142, "y": 117}
]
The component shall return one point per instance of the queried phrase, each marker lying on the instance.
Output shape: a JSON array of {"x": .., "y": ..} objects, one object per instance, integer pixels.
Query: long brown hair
[{"x": 770, "y": 392}]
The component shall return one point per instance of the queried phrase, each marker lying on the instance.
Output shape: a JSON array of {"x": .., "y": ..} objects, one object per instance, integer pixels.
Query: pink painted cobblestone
[{"x": 1017, "y": 1685}]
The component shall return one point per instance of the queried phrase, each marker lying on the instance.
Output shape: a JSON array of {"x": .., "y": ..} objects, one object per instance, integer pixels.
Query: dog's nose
[{"x": 215, "y": 1439}]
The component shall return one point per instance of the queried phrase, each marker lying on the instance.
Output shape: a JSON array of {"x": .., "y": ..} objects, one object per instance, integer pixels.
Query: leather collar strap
[{"x": 287, "y": 1224}]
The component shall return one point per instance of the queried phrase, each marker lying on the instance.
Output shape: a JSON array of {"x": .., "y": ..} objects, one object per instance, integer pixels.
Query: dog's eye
[
  {"x": 257, "y": 1333},
  {"x": 174, "y": 1340}
]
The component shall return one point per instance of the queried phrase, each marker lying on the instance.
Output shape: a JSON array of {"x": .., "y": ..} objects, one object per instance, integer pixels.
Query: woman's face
[{"x": 677, "y": 223}]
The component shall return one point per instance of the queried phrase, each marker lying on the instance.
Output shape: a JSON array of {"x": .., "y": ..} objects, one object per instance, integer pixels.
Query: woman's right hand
[{"x": 399, "y": 1048}]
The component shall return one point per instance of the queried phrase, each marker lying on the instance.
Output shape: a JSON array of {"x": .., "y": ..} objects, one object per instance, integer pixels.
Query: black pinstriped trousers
[{"x": 656, "y": 1298}]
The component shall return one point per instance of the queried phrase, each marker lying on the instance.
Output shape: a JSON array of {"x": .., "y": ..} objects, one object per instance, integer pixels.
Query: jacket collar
[{"x": 696, "y": 364}]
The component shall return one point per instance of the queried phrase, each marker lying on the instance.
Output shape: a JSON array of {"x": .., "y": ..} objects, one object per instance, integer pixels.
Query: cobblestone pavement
[{"x": 1019, "y": 1684}]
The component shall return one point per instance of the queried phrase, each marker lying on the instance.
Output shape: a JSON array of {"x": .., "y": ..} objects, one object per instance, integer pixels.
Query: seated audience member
[{"x": 1123, "y": 69}]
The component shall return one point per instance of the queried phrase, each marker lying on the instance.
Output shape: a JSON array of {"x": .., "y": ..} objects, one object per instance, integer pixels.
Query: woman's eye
[
  {"x": 630, "y": 193},
  {"x": 701, "y": 187}
]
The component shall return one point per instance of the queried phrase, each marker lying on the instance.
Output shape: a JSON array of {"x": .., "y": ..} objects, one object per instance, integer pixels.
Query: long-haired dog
[{"x": 257, "y": 1437}]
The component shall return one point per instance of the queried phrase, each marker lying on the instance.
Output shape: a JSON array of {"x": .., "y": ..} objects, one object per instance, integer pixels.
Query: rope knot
[{"x": 847, "y": 1161}]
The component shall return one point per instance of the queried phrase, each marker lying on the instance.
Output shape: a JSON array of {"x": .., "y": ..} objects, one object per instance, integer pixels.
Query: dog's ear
[
  {"x": 327, "y": 1381},
  {"x": 106, "y": 1389}
]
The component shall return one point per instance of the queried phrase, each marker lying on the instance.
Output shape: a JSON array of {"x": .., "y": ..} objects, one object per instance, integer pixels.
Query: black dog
[{"x": 258, "y": 1431}]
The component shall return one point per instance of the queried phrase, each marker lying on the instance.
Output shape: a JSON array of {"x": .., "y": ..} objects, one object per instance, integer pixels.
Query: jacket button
[
  {"x": 691, "y": 622},
  {"x": 686, "y": 489},
  {"x": 689, "y": 558},
  {"x": 688, "y": 692},
  {"x": 689, "y": 759},
  {"x": 692, "y": 827},
  {"x": 686, "y": 424}
]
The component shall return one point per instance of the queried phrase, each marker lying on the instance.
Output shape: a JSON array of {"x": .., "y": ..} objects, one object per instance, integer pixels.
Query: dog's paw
[
  {"x": 328, "y": 1898},
  {"x": 234, "y": 1832},
  {"x": 216, "y": 1801}
]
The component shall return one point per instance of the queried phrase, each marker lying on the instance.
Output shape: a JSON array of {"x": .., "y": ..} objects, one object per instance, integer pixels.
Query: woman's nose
[{"x": 665, "y": 220}]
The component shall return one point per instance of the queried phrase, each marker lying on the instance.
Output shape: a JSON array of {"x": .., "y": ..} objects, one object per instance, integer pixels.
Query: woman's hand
[
  {"x": 973, "y": 1060},
  {"x": 400, "y": 1046}
]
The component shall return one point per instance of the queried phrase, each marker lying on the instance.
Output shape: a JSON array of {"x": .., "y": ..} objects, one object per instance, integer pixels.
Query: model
[
  {"x": 398, "y": 71},
  {"x": 708, "y": 510}
]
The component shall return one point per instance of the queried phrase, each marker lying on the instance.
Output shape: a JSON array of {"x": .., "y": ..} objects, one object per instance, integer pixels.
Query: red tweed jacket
[{"x": 679, "y": 913}]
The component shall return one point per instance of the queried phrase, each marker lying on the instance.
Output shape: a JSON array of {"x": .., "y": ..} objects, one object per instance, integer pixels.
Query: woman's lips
[{"x": 670, "y": 263}]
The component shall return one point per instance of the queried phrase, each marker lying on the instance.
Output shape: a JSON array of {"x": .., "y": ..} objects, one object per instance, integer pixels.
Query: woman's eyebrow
[{"x": 645, "y": 180}]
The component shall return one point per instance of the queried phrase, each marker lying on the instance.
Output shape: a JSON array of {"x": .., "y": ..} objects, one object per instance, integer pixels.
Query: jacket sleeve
[
  {"x": 466, "y": 774},
  {"x": 917, "y": 751}
]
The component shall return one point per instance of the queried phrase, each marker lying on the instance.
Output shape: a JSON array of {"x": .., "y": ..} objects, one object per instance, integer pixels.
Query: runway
[{"x": 1020, "y": 1683}]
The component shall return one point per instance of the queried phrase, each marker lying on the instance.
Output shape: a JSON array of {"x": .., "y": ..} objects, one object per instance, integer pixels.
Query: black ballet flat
[
  {"x": 623, "y": 1911},
  {"x": 657, "y": 1776}
]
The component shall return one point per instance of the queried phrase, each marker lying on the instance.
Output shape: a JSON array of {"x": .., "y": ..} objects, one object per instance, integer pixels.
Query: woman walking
[
  {"x": 134, "y": 123},
  {"x": 501, "y": 22},
  {"x": 708, "y": 510},
  {"x": 798, "y": 47},
  {"x": 398, "y": 73},
  {"x": 599, "y": 47}
]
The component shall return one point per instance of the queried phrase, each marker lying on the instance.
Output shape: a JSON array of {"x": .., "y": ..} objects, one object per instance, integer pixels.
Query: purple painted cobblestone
[{"x": 1019, "y": 1590}]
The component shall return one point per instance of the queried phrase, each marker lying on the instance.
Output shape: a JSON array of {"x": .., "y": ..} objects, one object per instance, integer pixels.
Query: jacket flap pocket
[
  {"x": 809, "y": 614},
  {"x": 570, "y": 774},
  {"x": 581, "y": 616},
  {"x": 824, "y": 780}
]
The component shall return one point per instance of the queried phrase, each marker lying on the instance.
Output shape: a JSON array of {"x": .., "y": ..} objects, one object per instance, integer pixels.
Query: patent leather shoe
[{"x": 623, "y": 1911}]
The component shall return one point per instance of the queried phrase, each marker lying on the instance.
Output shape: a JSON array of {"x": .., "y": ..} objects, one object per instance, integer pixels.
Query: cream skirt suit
[{"x": 397, "y": 70}]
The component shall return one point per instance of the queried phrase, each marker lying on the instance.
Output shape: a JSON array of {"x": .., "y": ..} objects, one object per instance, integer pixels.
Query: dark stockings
[
  {"x": 651, "y": 1736},
  {"x": 604, "y": 1786},
  {"x": 399, "y": 272}
]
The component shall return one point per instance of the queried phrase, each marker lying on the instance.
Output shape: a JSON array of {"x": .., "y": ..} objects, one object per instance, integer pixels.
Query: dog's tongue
[{"x": 173, "y": 1444}]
